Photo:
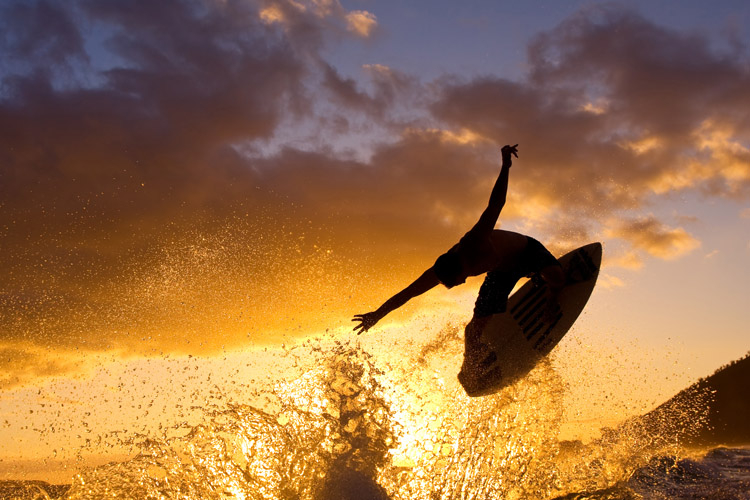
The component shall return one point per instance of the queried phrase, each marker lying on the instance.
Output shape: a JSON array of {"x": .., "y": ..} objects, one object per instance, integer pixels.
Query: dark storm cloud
[
  {"x": 40, "y": 31},
  {"x": 406, "y": 183},
  {"x": 388, "y": 87},
  {"x": 347, "y": 91},
  {"x": 182, "y": 82}
]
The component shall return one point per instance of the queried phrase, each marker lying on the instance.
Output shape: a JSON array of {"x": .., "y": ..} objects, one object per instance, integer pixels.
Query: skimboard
[{"x": 521, "y": 336}]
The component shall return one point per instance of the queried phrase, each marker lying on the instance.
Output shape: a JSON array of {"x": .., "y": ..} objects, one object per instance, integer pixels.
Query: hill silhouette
[{"x": 713, "y": 411}]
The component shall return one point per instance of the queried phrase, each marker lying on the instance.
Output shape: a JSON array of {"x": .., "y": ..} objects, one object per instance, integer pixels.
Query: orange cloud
[
  {"x": 625, "y": 260},
  {"x": 361, "y": 22},
  {"x": 643, "y": 145},
  {"x": 24, "y": 363},
  {"x": 650, "y": 235},
  {"x": 462, "y": 137},
  {"x": 293, "y": 14},
  {"x": 609, "y": 282},
  {"x": 272, "y": 14}
]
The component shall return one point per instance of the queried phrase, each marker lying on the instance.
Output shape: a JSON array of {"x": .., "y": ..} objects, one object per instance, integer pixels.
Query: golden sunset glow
[{"x": 197, "y": 196}]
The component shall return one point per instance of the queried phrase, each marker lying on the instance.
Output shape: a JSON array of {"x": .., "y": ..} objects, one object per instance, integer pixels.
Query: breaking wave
[{"x": 354, "y": 426}]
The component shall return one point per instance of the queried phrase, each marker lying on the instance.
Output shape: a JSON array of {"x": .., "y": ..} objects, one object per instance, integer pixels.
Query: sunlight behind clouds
[
  {"x": 361, "y": 22},
  {"x": 644, "y": 145},
  {"x": 271, "y": 14}
]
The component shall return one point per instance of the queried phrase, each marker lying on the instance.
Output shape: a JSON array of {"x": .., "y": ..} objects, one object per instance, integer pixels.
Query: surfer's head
[{"x": 449, "y": 270}]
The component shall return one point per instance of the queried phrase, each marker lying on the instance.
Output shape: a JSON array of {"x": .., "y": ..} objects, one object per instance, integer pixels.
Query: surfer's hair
[{"x": 448, "y": 269}]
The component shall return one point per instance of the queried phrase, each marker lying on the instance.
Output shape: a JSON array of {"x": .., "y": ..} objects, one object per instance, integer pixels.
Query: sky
[{"x": 191, "y": 178}]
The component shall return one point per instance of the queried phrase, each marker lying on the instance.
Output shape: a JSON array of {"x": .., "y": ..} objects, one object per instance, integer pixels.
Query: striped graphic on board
[
  {"x": 542, "y": 342},
  {"x": 530, "y": 309},
  {"x": 528, "y": 313},
  {"x": 532, "y": 295}
]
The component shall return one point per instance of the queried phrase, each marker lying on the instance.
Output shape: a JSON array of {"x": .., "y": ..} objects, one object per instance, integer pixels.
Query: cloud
[
  {"x": 383, "y": 94},
  {"x": 21, "y": 365},
  {"x": 151, "y": 199},
  {"x": 272, "y": 14},
  {"x": 609, "y": 282},
  {"x": 615, "y": 109},
  {"x": 41, "y": 31},
  {"x": 711, "y": 254},
  {"x": 653, "y": 237},
  {"x": 130, "y": 212},
  {"x": 627, "y": 260},
  {"x": 361, "y": 22},
  {"x": 299, "y": 16}
]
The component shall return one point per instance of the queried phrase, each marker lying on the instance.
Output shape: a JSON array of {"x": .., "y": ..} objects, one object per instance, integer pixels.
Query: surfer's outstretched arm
[
  {"x": 499, "y": 192},
  {"x": 426, "y": 281}
]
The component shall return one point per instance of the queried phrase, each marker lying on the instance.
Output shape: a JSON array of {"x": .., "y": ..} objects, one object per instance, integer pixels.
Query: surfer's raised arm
[
  {"x": 490, "y": 215},
  {"x": 426, "y": 281}
]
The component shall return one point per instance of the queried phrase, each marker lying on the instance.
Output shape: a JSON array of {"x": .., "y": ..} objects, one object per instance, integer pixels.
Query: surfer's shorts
[{"x": 497, "y": 285}]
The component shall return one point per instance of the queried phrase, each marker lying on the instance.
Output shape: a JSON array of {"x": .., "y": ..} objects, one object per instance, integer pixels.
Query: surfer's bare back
[{"x": 505, "y": 256}]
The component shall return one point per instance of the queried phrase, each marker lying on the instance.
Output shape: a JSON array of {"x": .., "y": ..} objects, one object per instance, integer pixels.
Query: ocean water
[{"x": 350, "y": 427}]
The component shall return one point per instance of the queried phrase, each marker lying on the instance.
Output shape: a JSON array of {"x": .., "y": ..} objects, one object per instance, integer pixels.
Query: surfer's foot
[
  {"x": 479, "y": 357},
  {"x": 475, "y": 382},
  {"x": 477, "y": 369}
]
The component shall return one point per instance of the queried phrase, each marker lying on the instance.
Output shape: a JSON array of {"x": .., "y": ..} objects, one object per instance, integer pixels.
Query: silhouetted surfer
[{"x": 505, "y": 256}]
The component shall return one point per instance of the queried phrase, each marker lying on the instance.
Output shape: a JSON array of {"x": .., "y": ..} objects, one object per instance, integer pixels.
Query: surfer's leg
[
  {"x": 493, "y": 294},
  {"x": 554, "y": 276},
  {"x": 477, "y": 354},
  {"x": 473, "y": 333},
  {"x": 540, "y": 261},
  {"x": 478, "y": 357},
  {"x": 492, "y": 299},
  {"x": 477, "y": 367}
]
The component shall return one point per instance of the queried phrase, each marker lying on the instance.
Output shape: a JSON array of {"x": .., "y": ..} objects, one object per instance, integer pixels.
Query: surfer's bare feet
[
  {"x": 478, "y": 357},
  {"x": 475, "y": 377}
]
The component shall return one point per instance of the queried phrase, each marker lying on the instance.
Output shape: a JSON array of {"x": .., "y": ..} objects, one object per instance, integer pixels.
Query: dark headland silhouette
[{"x": 715, "y": 411}]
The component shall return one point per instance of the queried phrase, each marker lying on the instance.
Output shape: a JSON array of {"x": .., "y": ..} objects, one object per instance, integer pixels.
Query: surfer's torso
[{"x": 481, "y": 252}]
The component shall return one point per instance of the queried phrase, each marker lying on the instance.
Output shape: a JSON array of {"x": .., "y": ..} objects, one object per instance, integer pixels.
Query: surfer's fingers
[{"x": 510, "y": 150}]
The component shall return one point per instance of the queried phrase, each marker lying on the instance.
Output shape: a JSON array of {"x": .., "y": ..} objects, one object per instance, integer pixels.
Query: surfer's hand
[
  {"x": 366, "y": 320},
  {"x": 506, "y": 153}
]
